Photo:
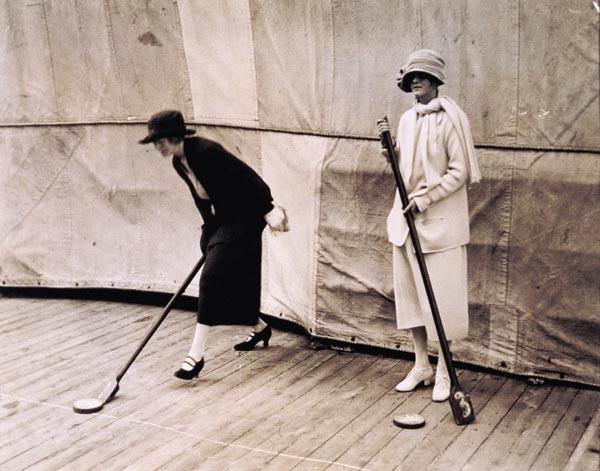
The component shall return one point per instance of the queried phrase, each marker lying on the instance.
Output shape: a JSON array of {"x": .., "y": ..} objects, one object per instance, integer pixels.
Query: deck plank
[
  {"x": 66, "y": 346},
  {"x": 347, "y": 436},
  {"x": 384, "y": 431},
  {"x": 442, "y": 436},
  {"x": 569, "y": 431},
  {"x": 499, "y": 443},
  {"x": 237, "y": 421},
  {"x": 73, "y": 374},
  {"x": 280, "y": 408},
  {"x": 260, "y": 434},
  {"x": 128, "y": 399},
  {"x": 37, "y": 326},
  {"x": 436, "y": 415},
  {"x": 39, "y": 416},
  {"x": 127, "y": 416},
  {"x": 17, "y": 313},
  {"x": 127, "y": 403},
  {"x": 487, "y": 418},
  {"x": 31, "y": 339},
  {"x": 586, "y": 456},
  {"x": 542, "y": 423},
  {"x": 300, "y": 437},
  {"x": 277, "y": 361}
]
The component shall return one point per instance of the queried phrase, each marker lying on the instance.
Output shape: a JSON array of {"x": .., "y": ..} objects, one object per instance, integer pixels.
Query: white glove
[
  {"x": 382, "y": 127},
  {"x": 277, "y": 220}
]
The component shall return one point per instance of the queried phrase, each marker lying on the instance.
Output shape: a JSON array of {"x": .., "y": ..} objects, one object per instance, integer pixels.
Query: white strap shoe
[
  {"x": 415, "y": 378},
  {"x": 441, "y": 390}
]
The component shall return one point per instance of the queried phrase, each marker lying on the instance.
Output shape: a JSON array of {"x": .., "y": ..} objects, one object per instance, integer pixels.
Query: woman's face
[
  {"x": 165, "y": 147},
  {"x": 422, "y": 87}
]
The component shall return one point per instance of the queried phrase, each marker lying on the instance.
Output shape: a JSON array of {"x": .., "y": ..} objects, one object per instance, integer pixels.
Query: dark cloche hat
[{"x": 167, "y": 123}]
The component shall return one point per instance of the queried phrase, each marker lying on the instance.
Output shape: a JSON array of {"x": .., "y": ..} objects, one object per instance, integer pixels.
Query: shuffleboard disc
[
  {"x": 87, "y": 406},
  {"x": 409, "y": 421}
]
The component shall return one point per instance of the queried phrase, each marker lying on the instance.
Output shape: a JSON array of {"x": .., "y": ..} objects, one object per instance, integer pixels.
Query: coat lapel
[
  {"x": 406, "y": 139},
  {"x": 202, "y": 205}
]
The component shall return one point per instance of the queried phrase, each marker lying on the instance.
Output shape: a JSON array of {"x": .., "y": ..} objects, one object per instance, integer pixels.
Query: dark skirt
[{"x": 231, "y": 278}]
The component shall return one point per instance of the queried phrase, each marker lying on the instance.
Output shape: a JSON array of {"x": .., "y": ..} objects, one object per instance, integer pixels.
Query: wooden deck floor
[{"x": 281, "y": 408}]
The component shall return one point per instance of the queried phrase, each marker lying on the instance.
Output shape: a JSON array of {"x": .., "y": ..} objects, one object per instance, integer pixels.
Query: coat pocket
[
  {"x": 433, "y": 233},
  {"x": 436, "y": 220}
]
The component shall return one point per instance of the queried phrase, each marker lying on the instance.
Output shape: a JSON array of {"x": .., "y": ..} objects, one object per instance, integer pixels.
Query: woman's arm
[
  {"x": 277, "y": 219},
  {"x": 239, "y": 190}
]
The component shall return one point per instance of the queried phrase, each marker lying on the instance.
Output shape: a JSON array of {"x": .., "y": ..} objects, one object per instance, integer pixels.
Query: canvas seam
[{"x": 181, "y": 53}]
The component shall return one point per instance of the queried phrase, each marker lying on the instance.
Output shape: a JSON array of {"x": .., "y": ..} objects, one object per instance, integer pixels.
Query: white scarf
[{"x": 408, "y": 133}]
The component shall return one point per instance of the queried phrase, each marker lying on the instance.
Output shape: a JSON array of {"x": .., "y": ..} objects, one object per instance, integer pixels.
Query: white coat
[
  {"x": 437, "y": 160},
  {"x": 444, "y": 169}
]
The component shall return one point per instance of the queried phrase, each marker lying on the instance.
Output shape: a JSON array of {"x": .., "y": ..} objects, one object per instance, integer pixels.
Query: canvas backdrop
[{"x": 294, "y": 88}]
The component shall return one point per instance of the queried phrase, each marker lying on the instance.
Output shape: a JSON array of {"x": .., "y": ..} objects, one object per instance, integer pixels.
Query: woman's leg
[
  {"x": 193, "y": 363},
  {"x": 441, "y": 364},
  {"x": 422, "y": 371},
  {"x": 419, "y": 335},
  {"x": 441, "y": 390},
  {"x": 260, "y": 325},
  {"x": 261, "y": 332},
  {"x": 198, "y": 344},
  {"x": 409, "y": 313}
]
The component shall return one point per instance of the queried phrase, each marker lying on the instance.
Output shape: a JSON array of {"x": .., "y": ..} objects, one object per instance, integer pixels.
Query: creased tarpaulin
[{"x": 295, "y": 89}]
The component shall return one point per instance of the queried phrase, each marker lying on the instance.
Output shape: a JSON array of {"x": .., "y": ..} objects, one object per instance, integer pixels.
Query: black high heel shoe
[
  {"x": 254, "y": 337},
  {"x": 190, "y": 374}
]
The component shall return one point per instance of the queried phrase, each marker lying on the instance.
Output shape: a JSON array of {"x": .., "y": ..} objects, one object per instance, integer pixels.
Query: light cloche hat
[{"x": 423, "y": 60}]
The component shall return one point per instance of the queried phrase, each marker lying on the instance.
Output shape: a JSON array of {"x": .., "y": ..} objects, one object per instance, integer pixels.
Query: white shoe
[
  {"x": 414, "y": 378},
  {"x": 441, "y": 390}
]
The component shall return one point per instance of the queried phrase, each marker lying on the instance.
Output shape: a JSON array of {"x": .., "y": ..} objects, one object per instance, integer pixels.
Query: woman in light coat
[{"x": 437, "y": 161}]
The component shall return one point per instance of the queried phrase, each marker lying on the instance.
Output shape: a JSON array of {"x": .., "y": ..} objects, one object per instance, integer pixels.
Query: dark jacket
[
  {"x": 239, "y": 196},
  {"x": 231, "y": 234}
]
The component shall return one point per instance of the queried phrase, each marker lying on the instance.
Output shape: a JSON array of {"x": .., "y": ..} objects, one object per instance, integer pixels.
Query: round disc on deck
[
  {"x": 409, "y": 421},
  {"x": 87, "y": 406}
]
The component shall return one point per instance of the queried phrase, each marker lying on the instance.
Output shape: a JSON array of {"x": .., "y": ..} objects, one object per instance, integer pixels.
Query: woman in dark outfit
[{"x": 235, "y": 204}]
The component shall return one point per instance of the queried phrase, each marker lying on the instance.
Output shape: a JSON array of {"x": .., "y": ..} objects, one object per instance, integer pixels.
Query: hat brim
[
  {"x": 152, "y": 137},
  {"x": 407, "y": 77}
]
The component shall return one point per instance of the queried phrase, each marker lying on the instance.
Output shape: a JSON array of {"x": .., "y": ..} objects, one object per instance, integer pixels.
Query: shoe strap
[
  {"x": 419, "y": 371},
  {"x": 190, "y": 362},
  {"x": 251, "y": 336}
]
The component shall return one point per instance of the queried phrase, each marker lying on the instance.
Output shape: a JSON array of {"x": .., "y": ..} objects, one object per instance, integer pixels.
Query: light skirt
[{"x": 448, "y": 274}]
